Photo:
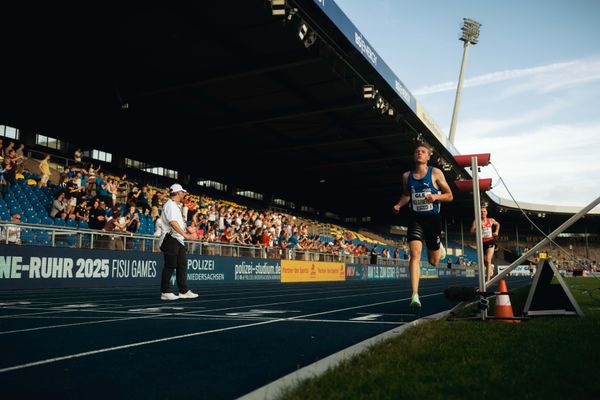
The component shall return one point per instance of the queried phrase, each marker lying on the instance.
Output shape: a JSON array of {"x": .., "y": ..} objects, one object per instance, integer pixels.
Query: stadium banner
[
  {"x": 356, "y": 272},
  {"x": 216, "y": 269},
  {"x": 446, "y": 273},
  {"x": 309, "y": 271},
  {"x": 348, "y": 29},
  {"x": 461, "y": 272},
  {"x": 428, "y": 272},
  {"x": 33, "y": 267}
]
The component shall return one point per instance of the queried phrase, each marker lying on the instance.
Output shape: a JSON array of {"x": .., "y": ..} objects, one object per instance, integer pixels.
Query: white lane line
[
  {"x": 201, "y": 301},
  {"x": 236, "y": 307},
  {"x": 274, "y": 389},
  {"x": 190, "y": 313},
  {"x": 239, "y": 318},
  {"x": 296, "y": 292},
  {"x": 110, "y": 297},
  {"x": 188, "y": 335},
  {"x": 395, "y": 289},
  {"x": 40, "y": 328},
  {"x": 361, "y": 306},
  {"x": 130, "y": 345},
  {"x": 39, "y": 313},
  {"x": 193, "y": 313}
]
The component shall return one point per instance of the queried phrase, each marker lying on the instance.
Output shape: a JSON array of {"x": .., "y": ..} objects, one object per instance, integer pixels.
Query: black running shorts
[
  {"x": 488, "y": 244},
  {"x": 426, "y": 228}
]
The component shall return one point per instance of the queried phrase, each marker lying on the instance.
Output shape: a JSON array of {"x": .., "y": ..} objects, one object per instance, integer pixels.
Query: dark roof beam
[
  {"x": 337, "y": 142},
  {"x": 291, "y": 115},
  {"x": 246, "y": 72}
]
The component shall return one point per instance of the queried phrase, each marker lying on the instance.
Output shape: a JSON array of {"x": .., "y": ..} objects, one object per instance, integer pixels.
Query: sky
[{"x": 531, "y": 95}]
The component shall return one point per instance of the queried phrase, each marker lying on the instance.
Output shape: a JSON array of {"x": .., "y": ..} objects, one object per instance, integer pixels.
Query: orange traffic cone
[{"x": 503, "y": 309}]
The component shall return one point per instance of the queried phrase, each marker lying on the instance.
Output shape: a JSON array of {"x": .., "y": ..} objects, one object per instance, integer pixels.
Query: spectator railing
[{"x": 44, "y": 235}]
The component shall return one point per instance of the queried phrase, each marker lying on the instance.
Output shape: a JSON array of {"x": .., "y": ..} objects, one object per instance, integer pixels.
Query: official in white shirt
[{"x": 173, "y": 247}]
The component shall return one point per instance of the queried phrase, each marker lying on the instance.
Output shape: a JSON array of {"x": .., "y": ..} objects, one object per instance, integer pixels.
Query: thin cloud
[
  {"x": 544, "y": 78},
  {"x": 551, "y": 164},
  {"x": 481, "y": 128}
]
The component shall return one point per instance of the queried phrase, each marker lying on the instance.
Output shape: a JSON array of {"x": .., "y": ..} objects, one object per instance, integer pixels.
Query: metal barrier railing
[{"x": 66, "y": 237}]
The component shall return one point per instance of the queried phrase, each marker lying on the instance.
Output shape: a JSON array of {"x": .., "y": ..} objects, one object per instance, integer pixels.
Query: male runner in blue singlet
[{"x": 423, "y": 188}]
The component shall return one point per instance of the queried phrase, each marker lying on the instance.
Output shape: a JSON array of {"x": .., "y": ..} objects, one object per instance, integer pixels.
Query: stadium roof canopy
[{"x": 226, "y": 91}]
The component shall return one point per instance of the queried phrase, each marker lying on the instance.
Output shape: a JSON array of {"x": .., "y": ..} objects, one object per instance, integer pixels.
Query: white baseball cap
[{"x": 176, "y": 187}]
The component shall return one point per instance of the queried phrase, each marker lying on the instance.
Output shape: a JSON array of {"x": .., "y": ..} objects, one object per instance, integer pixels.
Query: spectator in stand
[
  {"x": 213, "y": 215},
  {"x": 115, "y": 224},
  {"x": 84, "y": 181},
  {"x": 62, "y": 183},
  {"x": 92, "y": 172},
  {"x": 142, "y": 201},
  {"x": 122, "y": 189},
  {"x": 65, "y": 174},
  {"x": 97, "y": 216},
  {"x": 397, "y": 252},
  {"x": 192, "y": 208},
  {"x": 1, "y": 150},
  {"x": 77, "y": 157},
  {"x": 192, "y": 230},
  {"x": 91, "y": 178},
  {"x": 374, "y": 253},
  {"x": 203, "y": 223},
  {"x": 58, "y": 205},
  {"x": 112, "y": 190},
  {"x": 159, "y": 231},
  {"x": 75, "y": 190},
  {"x": 82, "y": 211},
  {"x": 132, "y": 220},
  {"x": 15, "y": 160},
  {"x": 6, "y": 170},
  {"x": 155, "y": 203},
  {"x": 293, "y": 241},
  {"x": 20, "y": 152},
  {"x": 12, "y": 234},
  {"x": 245, "y": 236},
  {"x": 227, "y": 235},
  {"x": 102, "y": 189},
  {"x": 44, "y": 167},
  {"x": 9, "y": 148},
  {"x": 132, "y": 197},
  {"x": 186, "y": 203},
  {"x": 72, "y": 216}
]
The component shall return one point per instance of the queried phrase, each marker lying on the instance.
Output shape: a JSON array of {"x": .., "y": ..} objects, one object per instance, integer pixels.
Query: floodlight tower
[{"x": 470, "y": 35}]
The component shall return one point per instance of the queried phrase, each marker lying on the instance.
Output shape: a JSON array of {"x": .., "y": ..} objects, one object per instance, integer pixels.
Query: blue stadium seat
[
  {"x": 26, "y": 236},
  {"x": 42, "y": 238},
  {"x": 33, "y": 220},
  {"x": 72, "y": 240},
  {"x": 46, "y": 220}
]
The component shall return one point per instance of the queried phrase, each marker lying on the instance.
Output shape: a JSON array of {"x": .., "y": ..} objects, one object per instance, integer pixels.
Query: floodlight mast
[{"x": 470, "y": 35}]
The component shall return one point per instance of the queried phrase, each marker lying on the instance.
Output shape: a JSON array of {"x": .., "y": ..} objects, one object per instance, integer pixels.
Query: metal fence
[{"x": 65, "y": 237}]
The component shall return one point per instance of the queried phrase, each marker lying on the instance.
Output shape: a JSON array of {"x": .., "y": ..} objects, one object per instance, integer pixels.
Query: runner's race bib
[
  {"x": 419, "y": 202},
  {"x": 486, "y": 232}
]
